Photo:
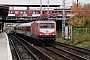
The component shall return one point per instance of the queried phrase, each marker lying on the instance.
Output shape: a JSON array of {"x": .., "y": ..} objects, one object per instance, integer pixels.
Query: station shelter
[{"x": 3, "y": 15}]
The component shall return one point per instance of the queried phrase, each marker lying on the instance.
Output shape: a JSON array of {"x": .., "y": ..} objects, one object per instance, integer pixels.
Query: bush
[
  {"x": 58, "y": 34},
  {"x": 80, "y": 35}
]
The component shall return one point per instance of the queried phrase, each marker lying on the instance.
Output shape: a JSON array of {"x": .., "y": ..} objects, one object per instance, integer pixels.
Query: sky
[
  {"x": 68, "y": 2},
  {"x": 60, "y": 2}
]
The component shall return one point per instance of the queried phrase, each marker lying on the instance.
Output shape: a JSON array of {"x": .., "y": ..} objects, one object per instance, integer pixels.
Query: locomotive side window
[{"x": 44, "y": 25}]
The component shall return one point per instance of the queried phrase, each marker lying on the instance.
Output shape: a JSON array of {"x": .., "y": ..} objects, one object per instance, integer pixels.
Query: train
[{"x": 43, "y": 32}]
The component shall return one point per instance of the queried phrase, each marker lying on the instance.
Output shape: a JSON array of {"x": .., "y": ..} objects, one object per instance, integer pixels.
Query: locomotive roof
[
  {"x": 45, "y": 21},
  {"x": 29, "y": 24},
  {"x": 25, "y": 24}
]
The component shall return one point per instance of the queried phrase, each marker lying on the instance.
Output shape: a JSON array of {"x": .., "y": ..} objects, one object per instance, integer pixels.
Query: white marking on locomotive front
[{"x": 46, "y": 30}]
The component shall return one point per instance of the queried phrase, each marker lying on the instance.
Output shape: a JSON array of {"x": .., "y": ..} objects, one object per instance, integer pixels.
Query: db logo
[
  {"x": 46, "y": 34},
  {"x": 46, "y": 31}
]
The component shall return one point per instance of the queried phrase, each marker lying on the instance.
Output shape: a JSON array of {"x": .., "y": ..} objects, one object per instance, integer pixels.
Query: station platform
[{"x": 5, "y": 52}]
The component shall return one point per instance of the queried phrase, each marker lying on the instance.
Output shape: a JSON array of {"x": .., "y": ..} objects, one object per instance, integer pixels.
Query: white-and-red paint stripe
[{"x": 34, "y": 15}]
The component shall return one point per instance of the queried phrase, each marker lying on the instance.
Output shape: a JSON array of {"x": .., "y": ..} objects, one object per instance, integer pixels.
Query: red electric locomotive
[{"x": 40, "y": 31}]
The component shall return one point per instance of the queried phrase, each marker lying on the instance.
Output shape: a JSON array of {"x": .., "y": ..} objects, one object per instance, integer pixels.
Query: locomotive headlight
[
  {"x": 40, "y": 34},
  {"x": 53, "y": 34}
]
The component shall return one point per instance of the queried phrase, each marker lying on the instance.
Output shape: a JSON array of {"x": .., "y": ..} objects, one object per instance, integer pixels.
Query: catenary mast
[{"x": 63, "y": 20}]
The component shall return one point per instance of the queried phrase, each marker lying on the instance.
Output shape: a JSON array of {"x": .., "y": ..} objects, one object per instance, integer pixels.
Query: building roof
[
  {"x": 3, "y": 10},
  {"x": 27, "y": 5}
]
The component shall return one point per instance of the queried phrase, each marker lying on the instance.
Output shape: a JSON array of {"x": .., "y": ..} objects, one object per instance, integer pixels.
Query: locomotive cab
[{"x": 47, "y": 32}]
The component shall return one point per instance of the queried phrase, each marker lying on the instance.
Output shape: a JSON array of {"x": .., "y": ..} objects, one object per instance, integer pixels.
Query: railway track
[
  {"x": 87, "y": 51},
  {"x": 75, "y": 50},
  {"x": 69, "y": 54},
  {"x": 22, "y": 53},
  {"x": 36, "y": 53},
  {"x": 14, "y": 55},
  {"x": 61, "y": 53},
  {"x": 57, "y": 51}
]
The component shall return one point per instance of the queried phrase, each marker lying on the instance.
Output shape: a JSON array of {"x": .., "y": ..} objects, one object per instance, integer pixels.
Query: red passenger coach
[{"x": 39, "y": 31}]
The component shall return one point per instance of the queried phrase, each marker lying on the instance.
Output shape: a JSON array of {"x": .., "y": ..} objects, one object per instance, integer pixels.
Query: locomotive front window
[{"x": 44, "y": 25}]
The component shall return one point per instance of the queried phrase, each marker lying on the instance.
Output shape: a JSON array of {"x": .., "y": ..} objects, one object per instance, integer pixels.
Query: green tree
[
  {"x": 87, "y": 22},
  {"x": 87, "y": 6},
  {"x": 87, "y": 18},
  {"x": 79, "y": 16}
]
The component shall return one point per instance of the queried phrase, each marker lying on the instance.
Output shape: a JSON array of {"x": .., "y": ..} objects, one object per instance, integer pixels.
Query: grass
[
  {"x": 11, "y": 47},
  {"x": 63, "y": 40},
  {"x": 85, "y": 44},
  {"x": 80, "y": 38}
]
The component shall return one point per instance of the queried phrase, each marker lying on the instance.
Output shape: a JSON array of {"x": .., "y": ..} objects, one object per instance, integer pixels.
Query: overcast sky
[
  {"x": 60, "y": 2},
  {"x": 68, "y": 2}
]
